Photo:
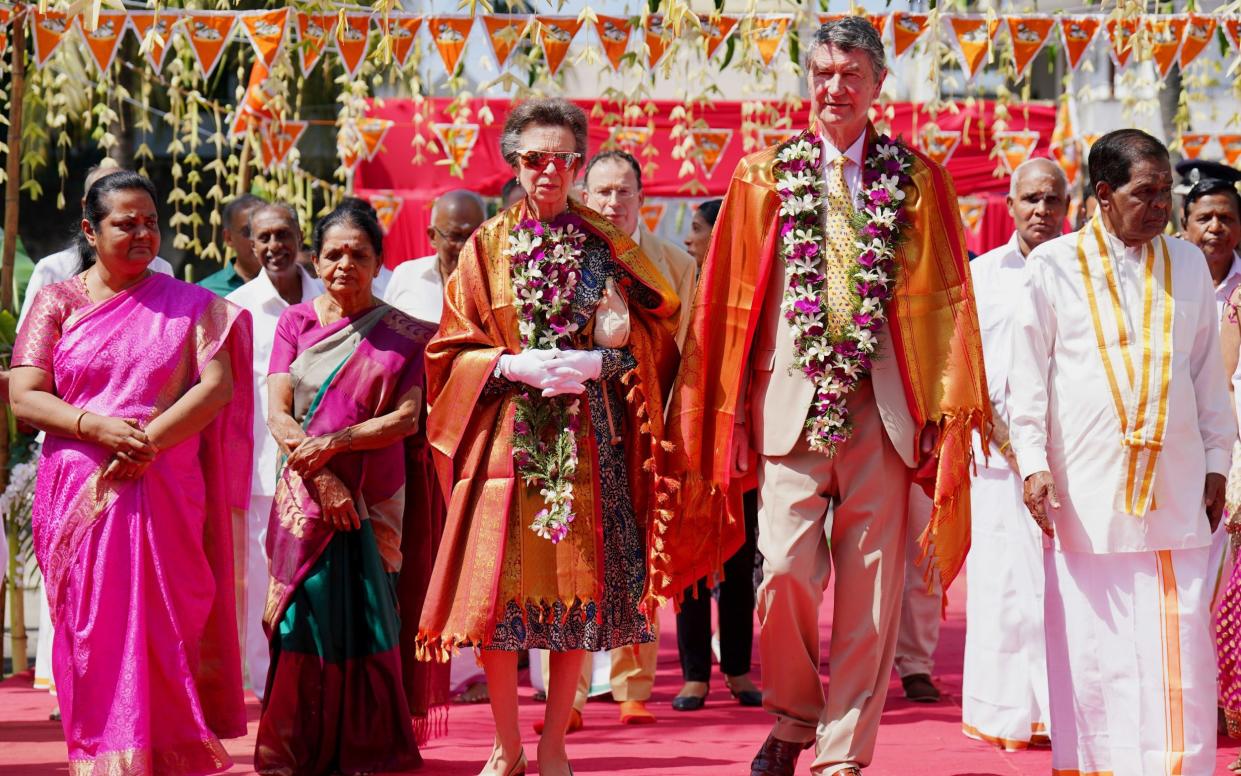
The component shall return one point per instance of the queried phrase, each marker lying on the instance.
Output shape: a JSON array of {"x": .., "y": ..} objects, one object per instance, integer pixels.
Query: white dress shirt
[
  {"x": 61, "y": 266},
  {"x": 1063, "y": 419},
  {"x": 265, "y": 304},
  {"x": 380, "y": 286},
  {"x": 1229, "y": 284},
  {"x": 853, "y": 163},
  {"x": 997, "y": 278},
  {"x": 417, "y": 289}
]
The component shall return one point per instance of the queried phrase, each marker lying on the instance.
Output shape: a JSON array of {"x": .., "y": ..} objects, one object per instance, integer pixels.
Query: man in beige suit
[{"x": 904, "y": 363}]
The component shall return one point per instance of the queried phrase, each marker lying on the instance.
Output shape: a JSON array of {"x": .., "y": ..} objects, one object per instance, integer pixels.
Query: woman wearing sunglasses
[{"x": 547, "y": 382}]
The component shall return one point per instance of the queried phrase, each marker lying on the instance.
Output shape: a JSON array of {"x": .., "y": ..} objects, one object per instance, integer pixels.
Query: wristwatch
[{"x": 498, "y": 372}]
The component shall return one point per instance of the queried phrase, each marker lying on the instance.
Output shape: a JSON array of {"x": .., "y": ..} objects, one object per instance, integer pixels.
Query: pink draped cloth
[{"x": 141, "y": 574}]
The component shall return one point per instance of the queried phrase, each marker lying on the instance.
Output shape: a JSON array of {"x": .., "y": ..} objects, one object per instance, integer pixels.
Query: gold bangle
[{"x": 77, "y": 424}]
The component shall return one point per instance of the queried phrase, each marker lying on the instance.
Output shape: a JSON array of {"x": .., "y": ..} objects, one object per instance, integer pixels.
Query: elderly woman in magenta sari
[
  {"x": 345, "y": 391},
  {"x": 546, "y": 383},
  {"x": 141, "y": 383}
]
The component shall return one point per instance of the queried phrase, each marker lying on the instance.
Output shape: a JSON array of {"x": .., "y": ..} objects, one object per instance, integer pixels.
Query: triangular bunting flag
[
  {"x": 266, "y": 32},
  {"x": 372, "y": 131},
  {"x": 1015, "y": 146},
  {"x": 209, "y": 34},
  {"x": 1231, "y": 146},
  {"x": 1198, "y": 34},
  {"x": 906, "y": 29},
  {"x": 709, "y": 145},
  {"x": 773, "y": 137},
  {"x": 313, "y": 33},
  {"x": 652, "y": 213},
  {"x": 939, "y": 144},
  {"x": 1088, "y": 140},
  {"x": 1079, "y": 32},
  {"x": 450, "y": 34},
  {"x": 556, "y": 34},
  {"x": 655, "y": 42},
  {"x": 614, "y": 32},
  {"x": 973, "y": 36},
  {"x": 349, "y": 146},
  {"x": 1232, "y": 30},
  {"x": 353, "y": 38},
  {"x": 1028, "y": 35},
  {"x": 102, "y": 41},
  {"x": 278, "y": 139},
  {"x": 255, "y": 108},
  {"x": 457, "y": 141},
  {"x": 49, "y": 30},
  {"x": 715, "y": 30},
  {"x": 401, "y": 29},
  {"x": 630, "y": 139},
  {"x": 1068, "y": 155},
  {"x": 824, "y": 18},
  {"x": 387, "y": 206},
  {"x": 767, "y": 33},
  {"x": 1166, "y": 34},
  {"x": 504, "y": 32},
  {"x": 972, "y": 210},
  {"x": 879, "y": 21},
  {"x": 1192, "y": 144},
  {"x": 1120, "y": 34},
  {"x": 159, "y": 29}
]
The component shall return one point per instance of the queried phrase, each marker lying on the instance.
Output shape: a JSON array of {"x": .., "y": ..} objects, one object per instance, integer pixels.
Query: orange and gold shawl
[
  {"x": 934, "y": 327},
  {"x": 488, "y": 556}
]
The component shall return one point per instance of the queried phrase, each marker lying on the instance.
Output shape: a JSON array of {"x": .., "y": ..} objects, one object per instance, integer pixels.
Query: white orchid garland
[
  {"x": 546, "y": 260},
  {"x": 835, "y": 361}
]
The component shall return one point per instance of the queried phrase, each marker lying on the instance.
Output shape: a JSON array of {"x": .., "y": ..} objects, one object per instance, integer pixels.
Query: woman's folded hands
[{"x": 551, "y": 370}]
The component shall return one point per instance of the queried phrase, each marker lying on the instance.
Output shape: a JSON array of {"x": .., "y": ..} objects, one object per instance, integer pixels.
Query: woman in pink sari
[{"x": 141, "y": 383}]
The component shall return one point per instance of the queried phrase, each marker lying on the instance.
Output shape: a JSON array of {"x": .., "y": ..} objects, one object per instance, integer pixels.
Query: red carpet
[{"x": 719, "y": 740}]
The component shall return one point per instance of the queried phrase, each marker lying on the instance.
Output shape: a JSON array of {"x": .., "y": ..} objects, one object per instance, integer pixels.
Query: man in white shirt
[
  {"x": 1212, "y": 223},
  {"x": 1122, "y": 426},
  {"x": 417, "y": 286},
  {"x": 276, "y": 239},
  {"x": 1004, "y": 685}
]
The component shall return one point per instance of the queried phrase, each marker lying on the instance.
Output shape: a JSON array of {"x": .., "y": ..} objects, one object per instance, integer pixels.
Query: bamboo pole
[{"x": 12, "y": 200}]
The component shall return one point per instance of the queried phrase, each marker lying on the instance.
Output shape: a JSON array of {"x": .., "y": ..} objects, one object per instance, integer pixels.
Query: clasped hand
[
  {"x": 132, "y": 450},
  {"x": 553, "y": 371}
]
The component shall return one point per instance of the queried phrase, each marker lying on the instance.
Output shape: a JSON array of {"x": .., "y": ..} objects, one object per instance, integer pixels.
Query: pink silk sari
[{"x": 140, "y": 574}]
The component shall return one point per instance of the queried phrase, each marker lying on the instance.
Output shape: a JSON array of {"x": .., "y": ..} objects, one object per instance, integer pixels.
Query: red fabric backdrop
[{"x": 393, "y": 169}]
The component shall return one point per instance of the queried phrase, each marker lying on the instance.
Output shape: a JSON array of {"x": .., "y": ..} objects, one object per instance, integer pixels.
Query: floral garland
[
  {"x": 546, "y": 268},
  {"x": 835, "y": 361}
]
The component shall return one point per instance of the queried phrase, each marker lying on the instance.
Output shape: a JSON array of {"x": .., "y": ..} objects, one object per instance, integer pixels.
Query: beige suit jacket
[
  {"x": 779, "y": 396},
  {"x": 678, "y": 268}
]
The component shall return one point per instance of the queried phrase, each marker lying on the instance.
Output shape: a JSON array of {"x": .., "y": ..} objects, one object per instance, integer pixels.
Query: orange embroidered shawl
[
  {"x": 934, "y": 327},
  {"x": 488, "y": 556}
]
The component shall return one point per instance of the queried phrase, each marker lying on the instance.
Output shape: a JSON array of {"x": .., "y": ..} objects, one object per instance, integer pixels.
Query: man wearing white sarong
[
  {"x": 277, "y": 239},
  {"x": 1121, "y": 422},
  {"x": 1004, "y": 684}
]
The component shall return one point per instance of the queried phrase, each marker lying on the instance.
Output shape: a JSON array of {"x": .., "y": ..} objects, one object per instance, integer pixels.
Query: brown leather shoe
[
  {"x": 777, "y": 757},
  {"x": 920, "y": 689}
]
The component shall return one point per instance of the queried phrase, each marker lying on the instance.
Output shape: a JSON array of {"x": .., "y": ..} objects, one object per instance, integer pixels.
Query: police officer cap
[{"x": 1194, "y": 170}]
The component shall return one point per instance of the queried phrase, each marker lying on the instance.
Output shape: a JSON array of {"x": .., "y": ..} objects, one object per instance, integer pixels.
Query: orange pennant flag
[
  {"x": 1120, "y": 34},
  {"x": 255, "y": 108},
  {"x": 401, "y": 29},
  {"x": 1088, "y": 140},
  {"x": 556, "y": 34},
  {"x": 715, "y": 30},
  {"x": 630, "y": 139},
  {"x": 1028, "y": 35},
  {"x": 278, "y": 139},
  {"x": 1232, "y": 30},
  {"x": 349, "y": 146},
  {"x": 352, "y": 40},
  {"x": 906, "y": 29},
  {"x": 768, "y": 34},
  {"x": 1231, "y": 145},
  {"x": 773, "y": 137},
  {"x": 504, "y": 32},
  {"x": 652, "y": 214},
  {"x": 973, "y": 36},
  {"x": 1193, "y": 143},
  {"x": 824, "y": 18},
  {"x": 313, "y": 33},
  {"x": 1015, "y": 146},
  {"x": 159, "y": 28},
  {"x": 655, "y": 42},
  {"x": 1068, "y": 156},
  {"x": 1079, "y": 32},
  {"x": 266, "y": 32},
  {"x": 939, "y": 144},
  {"x": 972, "y": 210},
  {"x": 49, "y": 30},
  {"x": 614, "y": 32},
  {"x": 102, "y": 42},
  {"x": 450, "y": 34},
  {"x": 457, "y": 141},
  {"x": 387, "y": 206},
  {"x": 372, "y": 131},
  {"x": 879, "y": 21},
  {"x": 709, "y": 146},
  {"x": 1166, "y": 34},
  {"x": 209, "y": 34},
  {"x": 1198, "y": 34}
]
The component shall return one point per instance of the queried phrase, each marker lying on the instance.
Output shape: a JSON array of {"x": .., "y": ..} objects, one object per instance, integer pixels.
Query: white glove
[
  {"x": 532, "y": 367},
  {"x": 573, "y": 368}
]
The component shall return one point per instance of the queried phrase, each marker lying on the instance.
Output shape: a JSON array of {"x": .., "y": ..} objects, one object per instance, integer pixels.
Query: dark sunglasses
[{"x": 538, "y": 160}]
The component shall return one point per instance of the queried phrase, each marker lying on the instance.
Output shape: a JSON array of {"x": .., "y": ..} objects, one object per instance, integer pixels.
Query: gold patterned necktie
[{"x": 839, "y": 247}]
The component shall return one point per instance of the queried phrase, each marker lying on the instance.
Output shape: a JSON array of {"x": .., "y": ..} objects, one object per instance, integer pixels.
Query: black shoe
[
  {"x": 688, "y": 702},
  {"x": 920, "y": 689},
  {"x": 748, "y": 697}
]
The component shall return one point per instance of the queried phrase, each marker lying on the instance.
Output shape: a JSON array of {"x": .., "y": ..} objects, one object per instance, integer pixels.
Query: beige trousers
[
  {"x": 922, "y": 606},
  {"x": 633, "y": 672},
  {"x": 868, "y": 485}
]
